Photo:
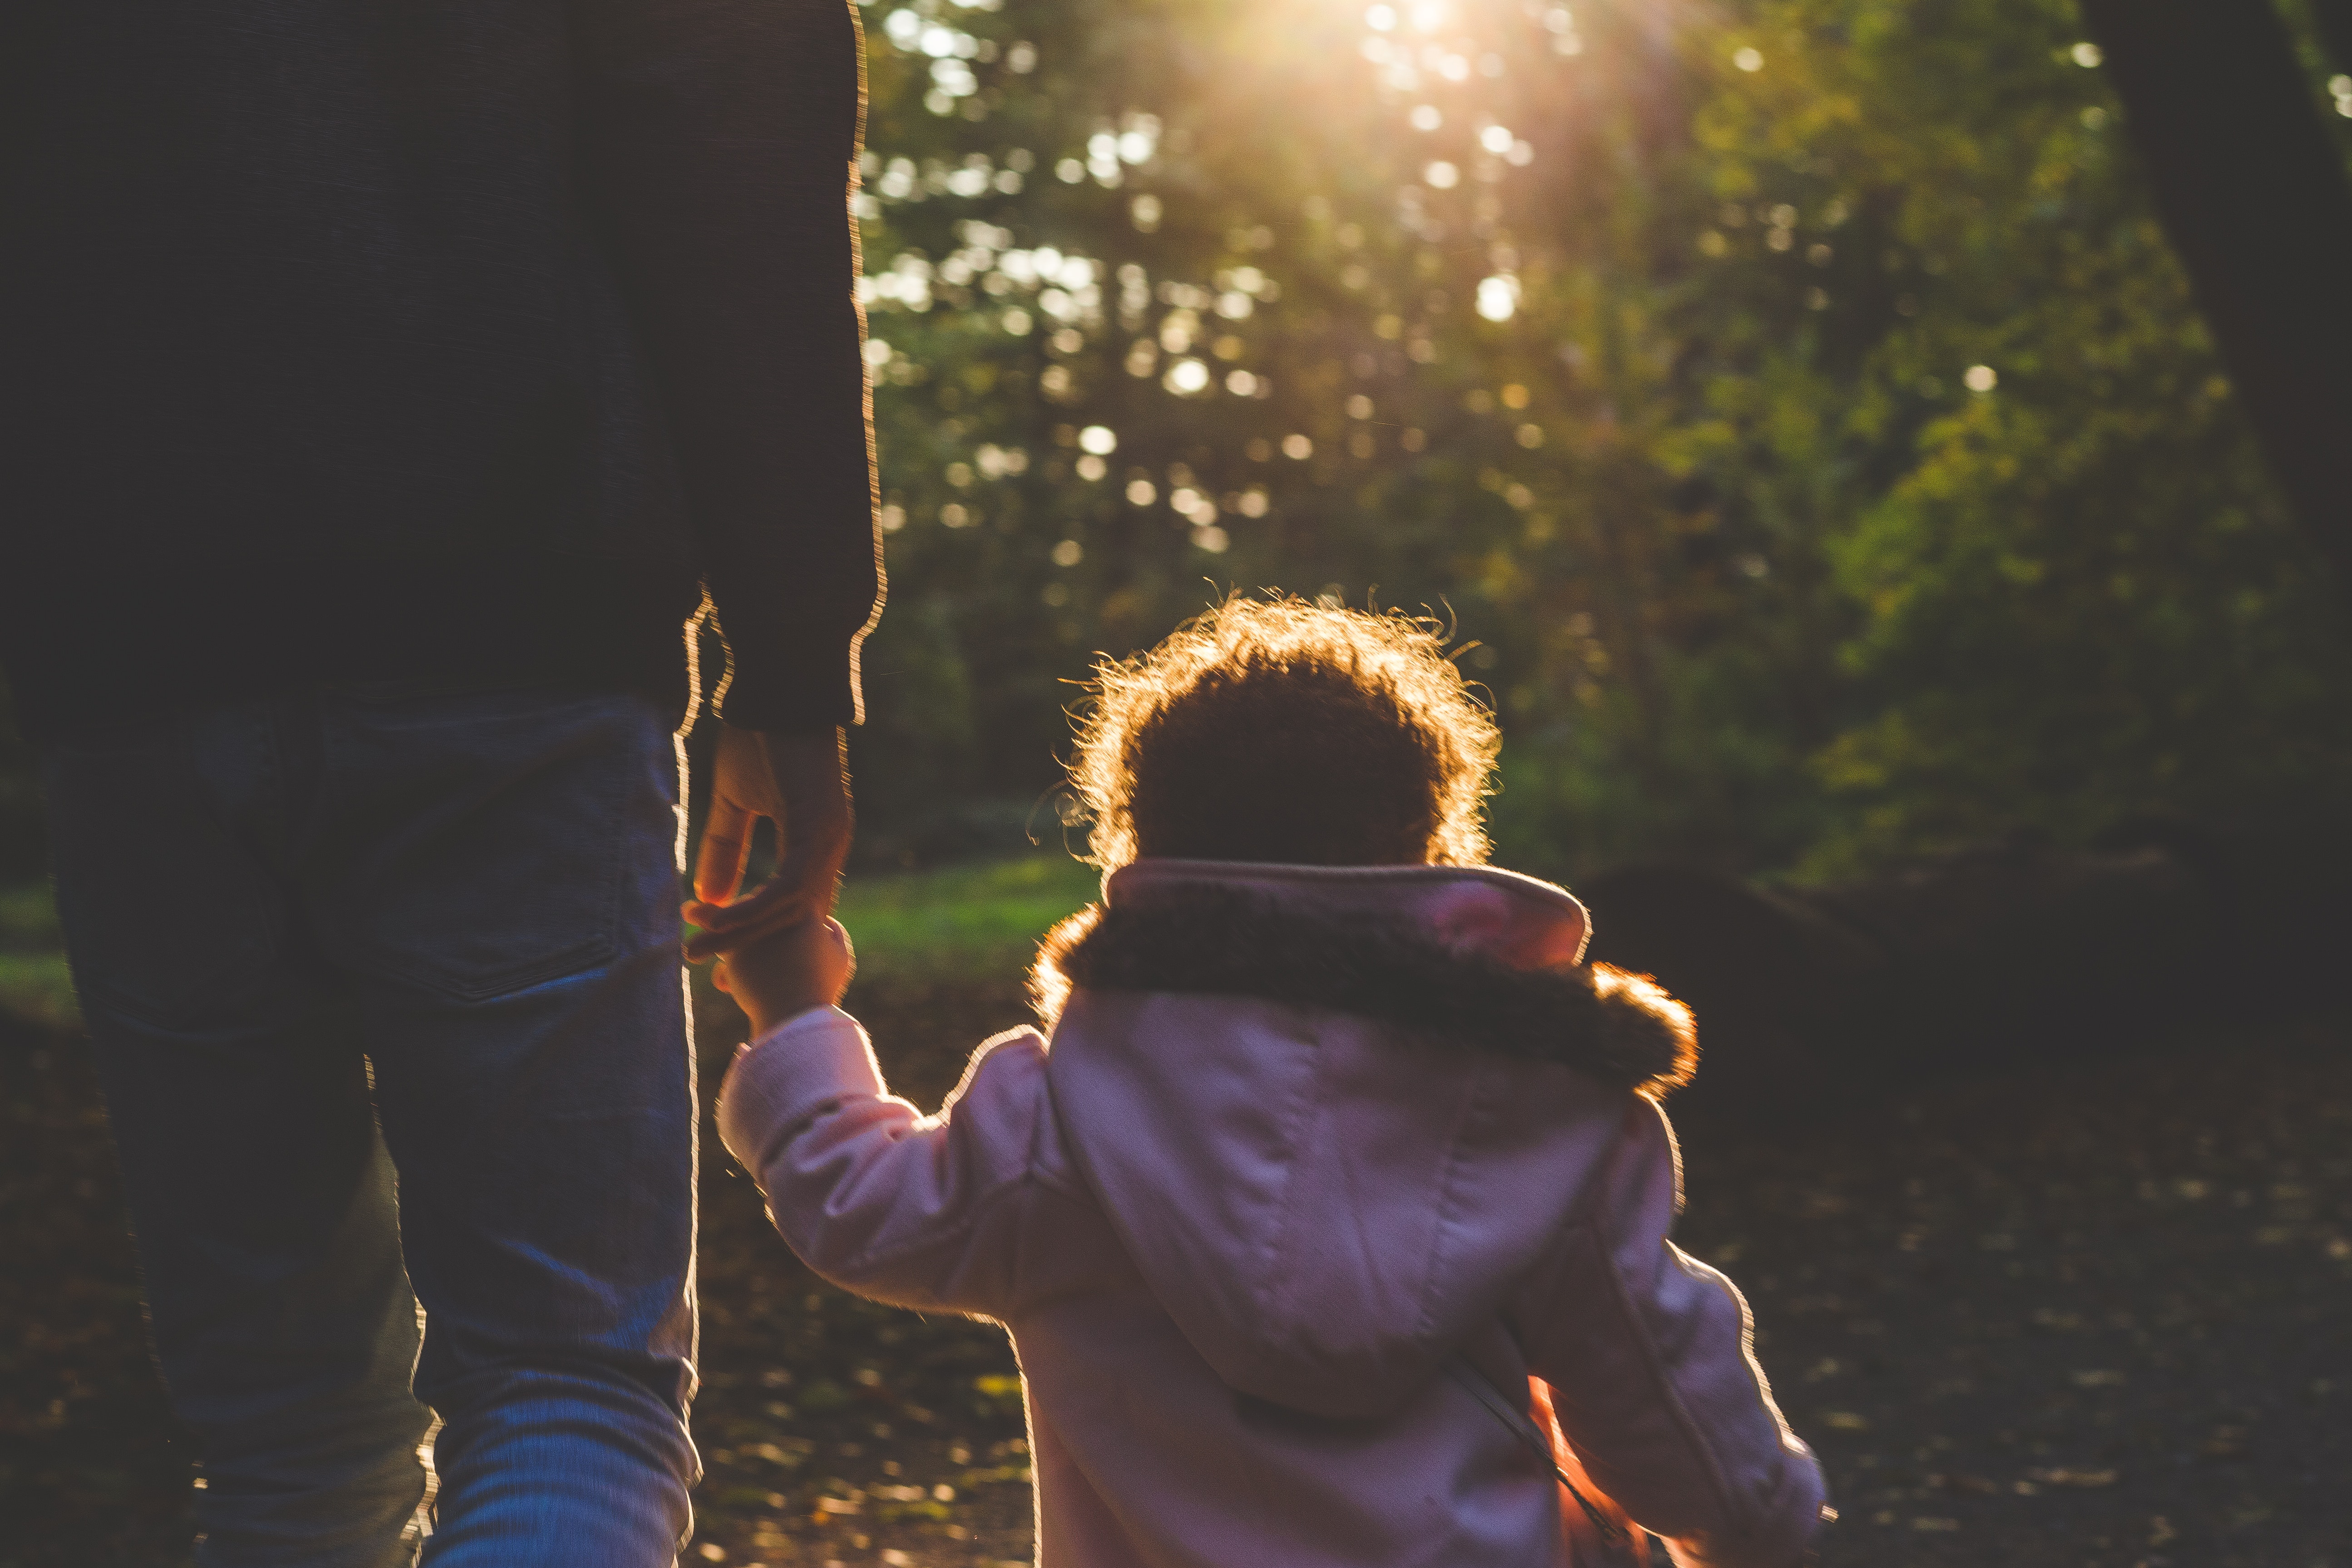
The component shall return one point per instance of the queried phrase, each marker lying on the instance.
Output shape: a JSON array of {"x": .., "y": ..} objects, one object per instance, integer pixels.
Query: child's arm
[
  {"x": 1647, "y": 1354},
  {"x": 925, "y": 1212}
]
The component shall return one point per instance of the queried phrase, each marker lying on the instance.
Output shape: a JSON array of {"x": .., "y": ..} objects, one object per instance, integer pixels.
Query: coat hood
[{"x": 1334, "y": 1113}]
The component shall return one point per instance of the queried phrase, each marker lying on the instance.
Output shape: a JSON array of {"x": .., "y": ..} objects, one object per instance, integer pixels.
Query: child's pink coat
[{"x": 1235, "y": 1237}]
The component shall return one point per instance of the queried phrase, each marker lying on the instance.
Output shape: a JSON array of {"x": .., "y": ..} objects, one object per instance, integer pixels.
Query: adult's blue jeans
[{"x": 384, "y": 989}]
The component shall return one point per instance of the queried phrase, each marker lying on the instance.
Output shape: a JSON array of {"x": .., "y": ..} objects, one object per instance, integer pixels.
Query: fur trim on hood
[{"x": 1229, "y": 938}]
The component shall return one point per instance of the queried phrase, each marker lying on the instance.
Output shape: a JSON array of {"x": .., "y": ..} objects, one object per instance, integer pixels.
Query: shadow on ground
[{"x": 2082, "y": 1318}]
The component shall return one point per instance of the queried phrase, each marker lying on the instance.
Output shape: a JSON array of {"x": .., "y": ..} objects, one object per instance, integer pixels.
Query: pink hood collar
[
  {"x": 1334, "y": 1113},
  {"x": 1466, "y": 956}
]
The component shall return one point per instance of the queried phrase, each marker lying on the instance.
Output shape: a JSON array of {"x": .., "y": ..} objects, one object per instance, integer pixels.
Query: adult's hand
[{"x": 800, "y": 782}]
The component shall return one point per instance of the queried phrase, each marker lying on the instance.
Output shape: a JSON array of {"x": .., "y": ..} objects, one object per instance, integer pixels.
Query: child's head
[{"x": 1288, "y": 732}]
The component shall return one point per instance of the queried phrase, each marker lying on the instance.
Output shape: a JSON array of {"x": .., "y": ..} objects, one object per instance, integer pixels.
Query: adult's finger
[
  {"x": 812, "y": 879},
  {"x": 726, "y": 850},
  {"x": 768, "y": 909},
  {"x": 813, "y": 854},
  {"x": 812, "y": 787}
]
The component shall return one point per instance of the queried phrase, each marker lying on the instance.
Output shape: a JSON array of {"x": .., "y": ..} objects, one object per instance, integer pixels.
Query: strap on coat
[{"x": 1481, "y": 1387}]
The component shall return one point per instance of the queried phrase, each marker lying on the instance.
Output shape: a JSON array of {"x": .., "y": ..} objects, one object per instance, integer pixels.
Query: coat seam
[{"x": 1448, "y": 1203}]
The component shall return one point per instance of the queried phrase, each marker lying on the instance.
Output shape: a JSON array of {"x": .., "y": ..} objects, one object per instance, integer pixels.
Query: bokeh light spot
[{"x": 1186, "y": 377}]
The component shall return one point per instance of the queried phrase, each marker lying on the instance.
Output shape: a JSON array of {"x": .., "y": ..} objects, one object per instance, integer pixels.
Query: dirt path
[{"x": 2069, "y": 1318}]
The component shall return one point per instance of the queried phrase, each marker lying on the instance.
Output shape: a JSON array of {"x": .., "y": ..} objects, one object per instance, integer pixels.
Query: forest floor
[{"x": 2060, "y": 1317}]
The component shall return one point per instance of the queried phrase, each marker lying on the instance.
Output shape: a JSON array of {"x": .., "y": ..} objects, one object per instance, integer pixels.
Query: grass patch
[
  {"x": 29, "y": 918},
  {"x": 37, "y": 987},
  {"x": 979, "y": 920},
  {"x": 34, "y": 982}
]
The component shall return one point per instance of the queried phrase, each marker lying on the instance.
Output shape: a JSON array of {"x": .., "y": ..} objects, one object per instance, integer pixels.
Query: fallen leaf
[
  {"x": 2062, "y": 1477},
  {"x": 2226, "y": 1443}
]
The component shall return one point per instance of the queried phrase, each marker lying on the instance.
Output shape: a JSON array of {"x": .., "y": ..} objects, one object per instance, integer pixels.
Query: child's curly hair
[{"x": 1281, "y": 731}]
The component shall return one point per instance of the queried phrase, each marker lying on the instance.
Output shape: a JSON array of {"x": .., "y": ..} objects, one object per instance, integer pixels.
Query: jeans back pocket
[{"x": 486, "y": 838}]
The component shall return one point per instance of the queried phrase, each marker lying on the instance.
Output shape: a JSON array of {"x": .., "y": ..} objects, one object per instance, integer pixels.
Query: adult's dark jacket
[{"x": 361, "y": 338}]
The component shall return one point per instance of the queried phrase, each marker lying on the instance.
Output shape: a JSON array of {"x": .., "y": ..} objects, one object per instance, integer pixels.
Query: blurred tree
[
  {"x": 2255, "y": 199},
  {"x": 2080, "y": 598},
  {"x": 24, "y": 846},
  {"x": 1793, "y": 403}
]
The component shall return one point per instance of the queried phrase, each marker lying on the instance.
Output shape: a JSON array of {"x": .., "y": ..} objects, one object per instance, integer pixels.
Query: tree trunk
[{"x": 2252, "y": 189}]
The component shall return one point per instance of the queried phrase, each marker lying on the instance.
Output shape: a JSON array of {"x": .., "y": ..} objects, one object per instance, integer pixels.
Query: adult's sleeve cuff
[{"x": 807, "y": 694}]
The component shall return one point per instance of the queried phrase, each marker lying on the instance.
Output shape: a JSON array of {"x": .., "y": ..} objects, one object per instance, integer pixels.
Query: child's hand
[{"x": 800, "y": 967}]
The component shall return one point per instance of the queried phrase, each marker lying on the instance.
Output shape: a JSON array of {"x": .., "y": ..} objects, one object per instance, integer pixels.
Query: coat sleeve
[
  {"x": 930, "y": 1212},
  {"x": 1648, "y": 1355},
  {"x": 720, "y": 142}
]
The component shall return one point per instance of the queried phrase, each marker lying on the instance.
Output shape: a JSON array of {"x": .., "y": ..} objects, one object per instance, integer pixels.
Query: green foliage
[
  {"x": 2074, "y": 597},
  {"x": 1793, "y": 402},
  {"x": 1794, "y": 405}
]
